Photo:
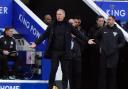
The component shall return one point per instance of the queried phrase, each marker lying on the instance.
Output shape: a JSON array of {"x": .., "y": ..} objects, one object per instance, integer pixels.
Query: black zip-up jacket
[
  {"x": 7, "y": 43},
  {"x": 110, "y": 39},
  {"x": 76, "y": 51},
  {"x": 50, "y": 34}
]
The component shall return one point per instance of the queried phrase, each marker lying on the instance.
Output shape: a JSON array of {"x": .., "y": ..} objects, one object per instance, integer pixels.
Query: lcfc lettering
[
  {"x": 9, "y": 87},
  {"x": 3, "y": 10}
]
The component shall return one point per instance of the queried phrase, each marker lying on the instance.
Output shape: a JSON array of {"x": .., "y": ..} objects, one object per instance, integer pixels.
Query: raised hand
[{"x": 91, "y": 41}]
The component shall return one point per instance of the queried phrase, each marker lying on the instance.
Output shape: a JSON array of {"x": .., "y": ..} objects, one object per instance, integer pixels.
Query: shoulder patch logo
[{"x": 115, "y": 33}]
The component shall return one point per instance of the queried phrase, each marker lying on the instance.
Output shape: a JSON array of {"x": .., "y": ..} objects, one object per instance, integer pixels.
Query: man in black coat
[
  {"x": 58, "y": 48},
  {"x": 8, "y": 50},
  {"x": 94, "y": 54},
  {"x": 111, "y": 40},
  {"x": 47, "y": 19},
  {"x": 77, "y": 49}
]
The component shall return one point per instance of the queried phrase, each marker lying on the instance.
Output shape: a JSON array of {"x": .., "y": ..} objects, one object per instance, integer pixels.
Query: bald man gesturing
[{"x": 59, "y": 46}]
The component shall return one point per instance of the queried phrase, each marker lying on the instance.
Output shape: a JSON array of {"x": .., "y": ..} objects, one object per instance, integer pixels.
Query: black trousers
[
  {"x": 65, "y": 67},
  {"x": 107, "y": 75},
  {"x": 93, "y": 66},
  {"x": 4, "y": 65},
  {"x": 76, "y": 74}
]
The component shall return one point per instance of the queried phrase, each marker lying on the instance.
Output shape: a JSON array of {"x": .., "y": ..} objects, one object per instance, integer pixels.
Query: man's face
[
  {"x": 76, "y": 22},
  {"x": 9, "y": 32},
  {"x": 100, "y": 22},
  {"x": 79, "y": 22},
  {"x": 110, "y": 21},
  {"x": 48, "y": 19},
  {"x": 60, "y": 15}
]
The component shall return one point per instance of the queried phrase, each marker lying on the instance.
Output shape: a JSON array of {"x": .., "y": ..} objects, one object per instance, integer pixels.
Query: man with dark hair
[
  {"x": 77, "y": 49},
  {"x": 58, "y": 48},
  {"x": 100, "y": 22},
  {"x": 47, "y": 19},
  {"x": 112, "y": 17},
  {"x": 111, "y": 40},
  {"x": 94, "y": 55},
  {"x": 8, "y": 50}
]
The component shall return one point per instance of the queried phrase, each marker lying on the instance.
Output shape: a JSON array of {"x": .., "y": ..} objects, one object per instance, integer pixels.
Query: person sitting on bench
[{"x": 7, "y": 51}]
